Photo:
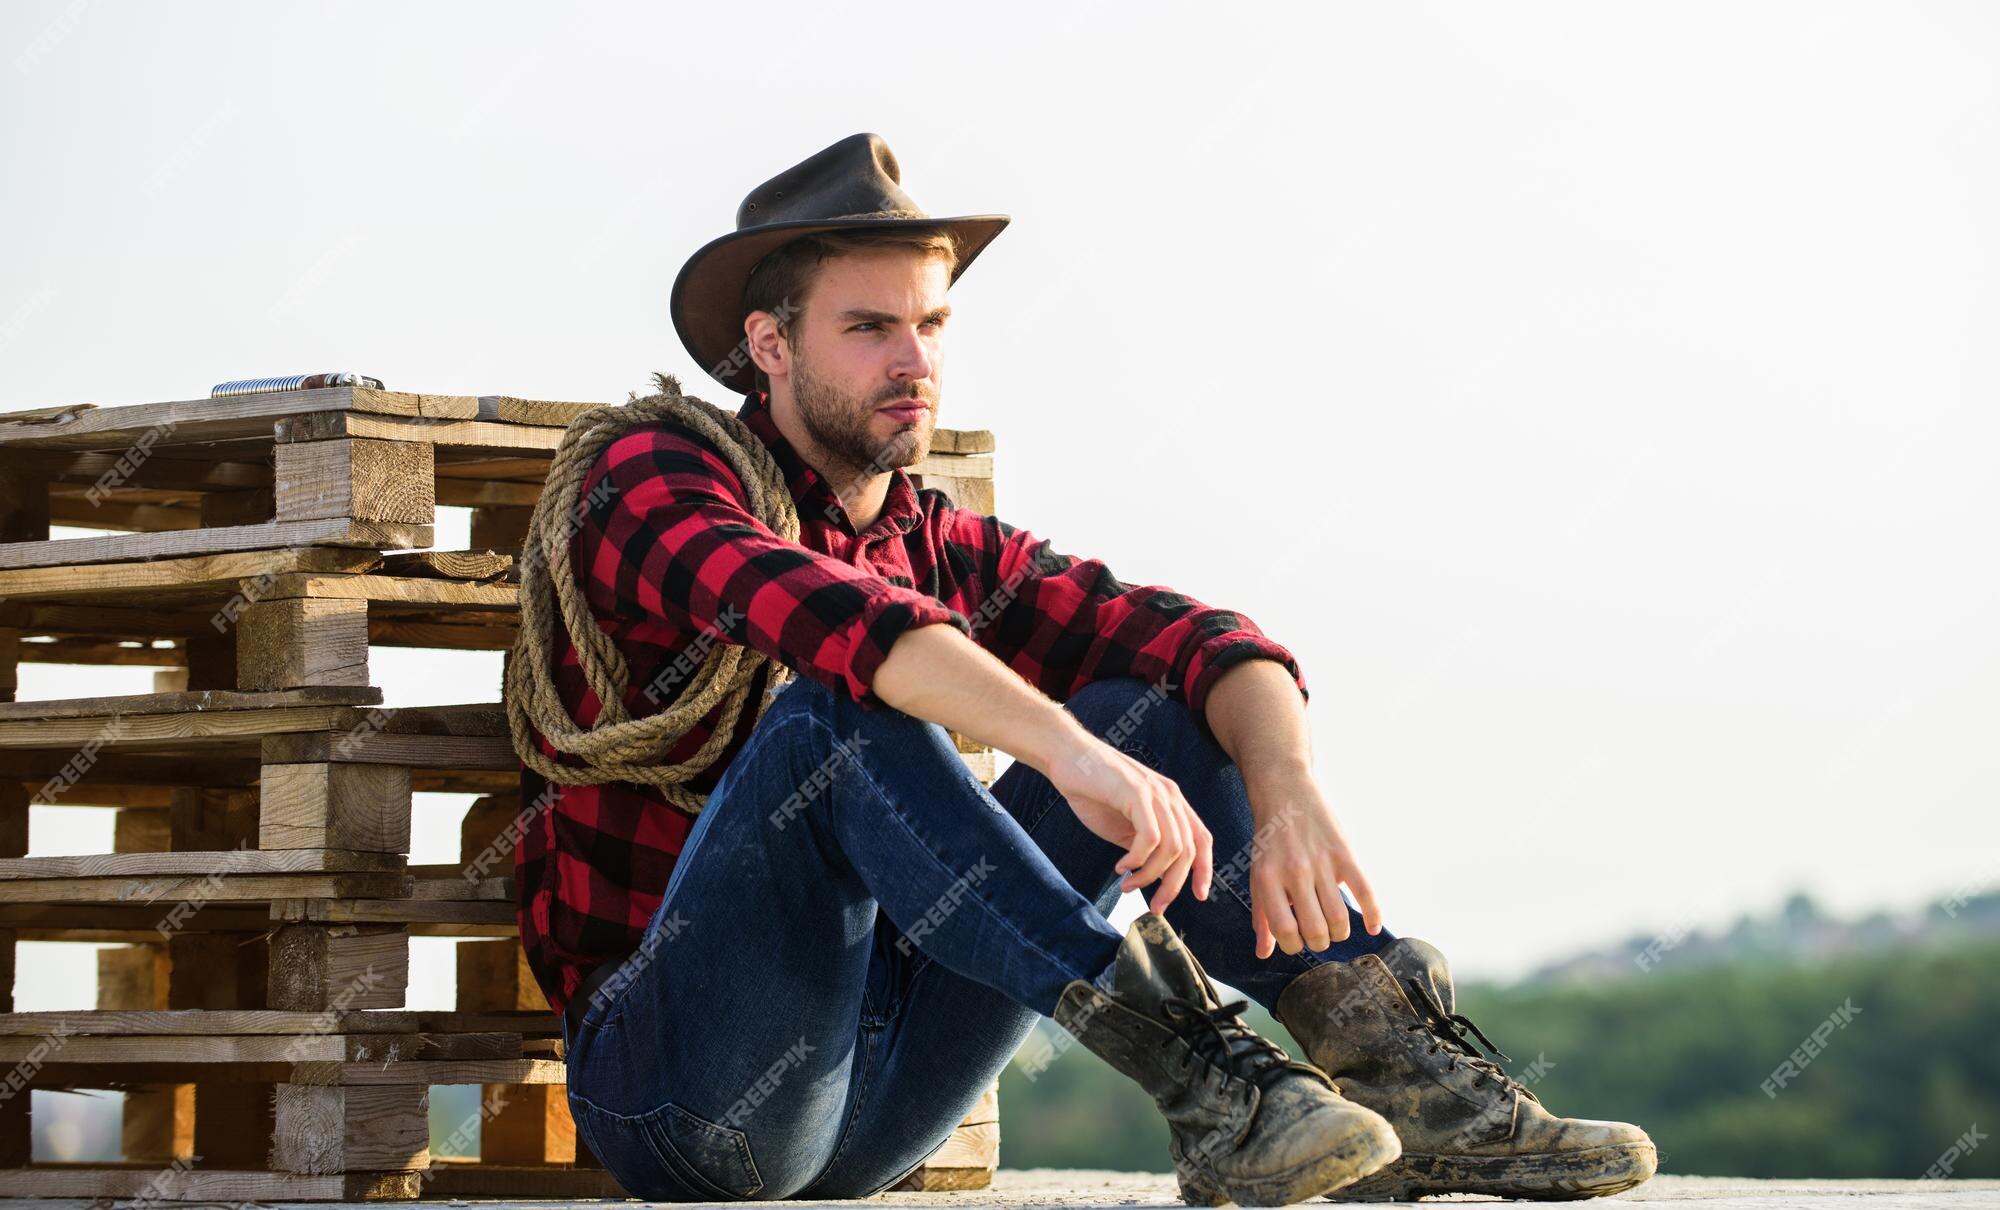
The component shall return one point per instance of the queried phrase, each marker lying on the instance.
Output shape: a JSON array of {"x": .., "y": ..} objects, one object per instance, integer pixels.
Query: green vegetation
[{"x": 1683, "y": 1050}]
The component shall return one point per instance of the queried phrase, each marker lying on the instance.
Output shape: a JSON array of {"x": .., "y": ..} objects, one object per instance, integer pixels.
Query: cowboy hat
[{"x": 853, "y": 183}]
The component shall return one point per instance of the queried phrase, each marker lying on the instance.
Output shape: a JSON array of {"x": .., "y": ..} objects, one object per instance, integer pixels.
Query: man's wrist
[
  {"x": 1270, "y": 783},
  {"x": 1059, "y": 737}
]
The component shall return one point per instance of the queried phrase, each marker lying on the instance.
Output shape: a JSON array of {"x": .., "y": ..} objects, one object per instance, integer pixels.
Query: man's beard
[{"x": 838, "y": 424}]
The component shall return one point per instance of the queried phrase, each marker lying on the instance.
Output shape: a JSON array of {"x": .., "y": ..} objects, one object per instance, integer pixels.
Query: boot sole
[
  {"x": 1548, "y": 1176},
  {"x": 1352, "y": 1159}
]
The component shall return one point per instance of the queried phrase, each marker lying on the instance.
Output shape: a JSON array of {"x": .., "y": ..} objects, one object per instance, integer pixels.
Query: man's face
[{"x": 867, "y": 371}]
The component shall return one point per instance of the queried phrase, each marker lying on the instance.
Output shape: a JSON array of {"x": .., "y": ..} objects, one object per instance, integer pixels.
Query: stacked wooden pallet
[{"x": 260, "y": 900}]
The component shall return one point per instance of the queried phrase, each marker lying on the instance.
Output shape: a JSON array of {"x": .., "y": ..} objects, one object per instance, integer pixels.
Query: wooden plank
[
  {"x": 123, "y": 922},
  {"x": 157, "y": 471},
  {"x": 220, "y": 972},
  {"x": 971, "y": 494},
  {"x": 198, "y": 702},
  {"x": 16, "y": 1140},
  {"x": 24, "y": 506},
  {"x": 421, "y": 1072},
  {"x": 467, "y": 781},
  {"x": 53, "y": 414},
  {"x": 119, "y": 513},
  {"x": 189, "y": 421},
  {"x": 338, "y": 722},
  {"x": 164, "y": 864},
  {"x": 448, "y": 882},
  {"x": 389, "y": 481},
  {"x": 962, "y": 441},
  {"x": 954, "y": 466},
  {"x": 185, "y": 894},
  {"x": 452, "y": 594},
  {"x": 345, "y": 1022},
  {"x": 371, "y": 535},
  {"x": 341, "y": 1129},
  {"x": 335, "y": 805},
  {"x": 491, "y": 468},
  {"x": 388, "y": 632},
  {"x": 122, "y": 729},
  {"x": 530, "y": 1124},
  {"x": 494, "y": 752},
  {"x": 100, "y": 652},
  {"x": 131, "y": 977},
  {"x": 496, "y": 913},
  {"x": 450, "y": 564},
  {"x": 120, "y": 778},
  {"x": 10, "y": 661},
  {"x": 494, "y": 976},
  {"x": 965, "y": 1160},
  {"x": 157, "y": 1123},
  {"x": 155, "y": 1184},
  {"x": 319, "y": 967},
  {"x": 211, "y": 819},
  {"x": 533, "y": 411},
  {"x": 377, "y": 1048},
  {"x": 143, "y": 829},
  {"x": 252, "y": 507},
  {"x": 144, "y": 620},
  {"x": 232, "y": 1121},
  {"x": 159, "y": 579},
  {"x": 302, "y": 641},
  {"x": 459, "y": 434},
  {"x": 498, "y": 526},
  {"x": 473, "y": 493}
]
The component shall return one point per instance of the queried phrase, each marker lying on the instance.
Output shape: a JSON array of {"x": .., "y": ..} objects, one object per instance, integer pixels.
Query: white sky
[{"x": 1597, "y": 399}]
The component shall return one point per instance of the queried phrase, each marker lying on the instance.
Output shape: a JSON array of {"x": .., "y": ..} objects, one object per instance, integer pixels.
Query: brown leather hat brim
[{"x": 709, "y": 289}]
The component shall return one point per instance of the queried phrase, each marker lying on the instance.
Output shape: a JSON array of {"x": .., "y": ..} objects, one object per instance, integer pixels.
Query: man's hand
[
  {"x": 1140, "y": 810},
  {"x": 1299, "y": 856}
]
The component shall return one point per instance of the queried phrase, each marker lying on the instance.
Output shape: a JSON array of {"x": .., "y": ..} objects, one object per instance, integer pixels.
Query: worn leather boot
[
  {"x": 1384, "y": 1028},
  {"x": 1248, "y": 1123}
]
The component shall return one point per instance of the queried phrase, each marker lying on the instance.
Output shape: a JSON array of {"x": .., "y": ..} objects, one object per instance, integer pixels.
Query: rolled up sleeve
[{"x": 1062, "y": 622}]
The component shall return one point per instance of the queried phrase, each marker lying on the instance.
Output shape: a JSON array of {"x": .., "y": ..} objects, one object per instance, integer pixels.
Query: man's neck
[{"x": 863, "y": 491}]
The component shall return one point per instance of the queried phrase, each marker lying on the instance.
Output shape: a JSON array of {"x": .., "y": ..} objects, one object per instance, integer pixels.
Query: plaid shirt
[{"x": 673, "y": 562}]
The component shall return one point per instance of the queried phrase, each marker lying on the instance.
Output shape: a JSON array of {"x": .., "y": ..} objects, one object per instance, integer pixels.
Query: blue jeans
[{"x": 858, "y": 936}]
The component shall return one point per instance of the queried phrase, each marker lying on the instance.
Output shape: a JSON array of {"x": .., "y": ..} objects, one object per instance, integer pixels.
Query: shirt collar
[{"x": 811, "y": 493}]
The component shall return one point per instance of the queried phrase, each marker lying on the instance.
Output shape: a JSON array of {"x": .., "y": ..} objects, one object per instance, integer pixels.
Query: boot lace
[
  {"x": 1448, "y": 1033},
  {"x": 1219, "y": 1035}
]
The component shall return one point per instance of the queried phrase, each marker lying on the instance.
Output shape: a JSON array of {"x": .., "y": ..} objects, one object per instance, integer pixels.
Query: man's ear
[{"x": 766, "y": 344}]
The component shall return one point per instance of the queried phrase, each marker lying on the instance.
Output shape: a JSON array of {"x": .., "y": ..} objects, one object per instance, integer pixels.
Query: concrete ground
[{"x": 1016, "y": 1187}]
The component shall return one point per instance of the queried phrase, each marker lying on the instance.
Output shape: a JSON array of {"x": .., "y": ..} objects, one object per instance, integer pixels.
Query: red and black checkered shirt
[{"x": 672, "y": 562}]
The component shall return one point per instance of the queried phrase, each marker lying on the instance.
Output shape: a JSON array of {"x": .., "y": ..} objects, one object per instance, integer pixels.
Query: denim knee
[{"x": 1133, "y": 715}]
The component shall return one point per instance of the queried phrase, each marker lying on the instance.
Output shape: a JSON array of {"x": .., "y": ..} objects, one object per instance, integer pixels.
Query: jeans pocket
[
  {"x": 620, "y": 1144},
  {"x": 704, "y": 1154}
]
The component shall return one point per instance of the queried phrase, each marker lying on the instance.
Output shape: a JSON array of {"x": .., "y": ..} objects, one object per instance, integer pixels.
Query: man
[{"x": 801, "y": 990}]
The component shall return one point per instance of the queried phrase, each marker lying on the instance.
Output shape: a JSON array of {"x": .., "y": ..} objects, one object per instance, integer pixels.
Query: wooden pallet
[
  {"x": 338, "y": 466},
  {"x": 263, "y": 796}
]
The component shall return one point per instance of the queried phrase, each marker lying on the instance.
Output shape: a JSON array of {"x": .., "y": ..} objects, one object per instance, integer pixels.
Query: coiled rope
[{"x": 617, "y": 746}]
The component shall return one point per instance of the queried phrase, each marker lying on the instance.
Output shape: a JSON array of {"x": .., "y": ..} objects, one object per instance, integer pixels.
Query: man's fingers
[
  {"x": 1172, "y": 881},
  {"x": 1145, "y": 837},
  {"x": 1303, "y": 891},
  {"x": 1177, "y": 873},
  {"x": 1260, "y": 927},
  {"x": 1161, "y": 855},
  {"x": 1338, "y": 925},
  {"x": 1204, "y": 858},
  {"x": 1278, "y": 911},
  {"x": 1364, "y": 898}
]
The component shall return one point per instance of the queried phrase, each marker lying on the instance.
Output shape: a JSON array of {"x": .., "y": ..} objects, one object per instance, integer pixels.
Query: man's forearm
[
  {"x": 937, "y": 674},
  {"x": 1259, "y": 719}
]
